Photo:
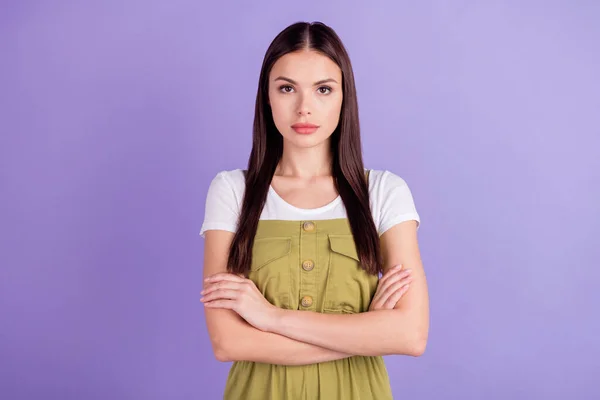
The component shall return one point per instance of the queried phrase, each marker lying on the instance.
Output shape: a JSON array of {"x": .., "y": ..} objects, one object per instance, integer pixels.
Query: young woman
[{"x": 295, "y": 245}]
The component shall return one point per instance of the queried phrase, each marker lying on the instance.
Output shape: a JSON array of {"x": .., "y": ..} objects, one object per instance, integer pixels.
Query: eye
[
  {"x": 327, "y": 88},
  {"x": 283, "y": 88}
]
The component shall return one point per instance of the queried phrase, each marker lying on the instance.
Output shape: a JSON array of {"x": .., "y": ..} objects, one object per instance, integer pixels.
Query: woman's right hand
[{"x": 391, "y": 287}]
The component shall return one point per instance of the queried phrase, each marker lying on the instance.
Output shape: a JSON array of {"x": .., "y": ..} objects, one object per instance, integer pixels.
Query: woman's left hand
[{"x": 226, "y": 290}]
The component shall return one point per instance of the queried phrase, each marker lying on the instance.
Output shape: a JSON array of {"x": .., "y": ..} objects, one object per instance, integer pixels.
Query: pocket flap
[
  {"x": 344, "y": 244},
  {"x": 266, "y": 250}
]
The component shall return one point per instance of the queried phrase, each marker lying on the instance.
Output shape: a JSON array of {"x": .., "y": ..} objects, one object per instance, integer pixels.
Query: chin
[{"x": 304, "y": 141}]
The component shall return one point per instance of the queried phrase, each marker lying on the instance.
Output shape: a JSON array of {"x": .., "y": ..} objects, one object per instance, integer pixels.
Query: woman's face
[{"x": 305, "y": 87}]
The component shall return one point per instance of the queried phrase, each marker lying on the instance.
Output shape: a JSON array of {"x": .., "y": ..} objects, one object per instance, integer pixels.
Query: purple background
[{"x": 115, "y": 116}]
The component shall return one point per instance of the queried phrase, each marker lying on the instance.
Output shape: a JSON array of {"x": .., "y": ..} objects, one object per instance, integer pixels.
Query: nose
[{"x": 304, "y": 105}]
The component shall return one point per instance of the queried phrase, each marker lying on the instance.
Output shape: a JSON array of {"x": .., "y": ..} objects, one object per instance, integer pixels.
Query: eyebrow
[{"x": 283, "y": 78}]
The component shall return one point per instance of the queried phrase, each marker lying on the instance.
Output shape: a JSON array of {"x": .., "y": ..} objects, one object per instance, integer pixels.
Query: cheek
[
  {"x": 280, "y": 107},
  {"x": 279, "y": 114},
  {"x": 333, "y": 111}
]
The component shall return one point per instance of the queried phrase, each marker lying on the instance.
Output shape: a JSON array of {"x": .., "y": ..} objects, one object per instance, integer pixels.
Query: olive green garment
[{"x": 313, "y": 266}]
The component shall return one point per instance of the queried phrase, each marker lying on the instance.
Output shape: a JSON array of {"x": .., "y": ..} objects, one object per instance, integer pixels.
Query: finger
[
  {"x": 378, "y": 305},
  {"x": 396, "y": 296},
  {"x": 391, "y": 272},
  {"x": 393, "y": 269},
  {"x": 230, "y": 304},
  {"x": 224, "y": 276},
  {"x": 374, "y": 303},
  {"x": 394, "y": 286},
  {"x": 220, "y": 285},
  {"x": 221, "y": 294},
  {"x": 393, "y": 277}
]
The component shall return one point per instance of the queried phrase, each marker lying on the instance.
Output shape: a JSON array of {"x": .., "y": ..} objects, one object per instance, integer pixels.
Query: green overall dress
[{"x": 310, "y": 265}]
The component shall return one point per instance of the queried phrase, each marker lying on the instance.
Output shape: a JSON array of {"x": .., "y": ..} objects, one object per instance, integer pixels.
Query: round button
[
  {"x": 306, "y": 301},
  {"x": 308, "y": 226},
  {"x": 308, "y": 265}
]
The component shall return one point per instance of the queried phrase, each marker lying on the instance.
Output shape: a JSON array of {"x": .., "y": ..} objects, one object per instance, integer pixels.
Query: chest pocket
[
  {"x": 270, "y": 269},
  {"x": 349, "y": 288}
]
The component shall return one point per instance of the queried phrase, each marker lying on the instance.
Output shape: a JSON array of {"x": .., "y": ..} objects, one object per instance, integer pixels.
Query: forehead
[{"x": 306, "y": 67}]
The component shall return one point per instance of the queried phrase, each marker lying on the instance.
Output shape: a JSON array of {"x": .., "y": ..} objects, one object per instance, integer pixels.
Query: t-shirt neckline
[{"x": 326, "y": 207}]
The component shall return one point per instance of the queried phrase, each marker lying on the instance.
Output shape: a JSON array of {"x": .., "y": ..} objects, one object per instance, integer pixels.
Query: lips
[
  {"x": 304, "y": 125},
  {"x": 305, "y": 128}
]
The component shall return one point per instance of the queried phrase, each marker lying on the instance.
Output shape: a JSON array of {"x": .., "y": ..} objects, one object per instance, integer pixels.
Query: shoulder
[
  {"x": 227, "y": 186},
  {"x": 233, "y": 178},
  {"x": 391, "y": 198},
  {"x": 223, "y": 201},
  {"x": 385, "y": 180}
]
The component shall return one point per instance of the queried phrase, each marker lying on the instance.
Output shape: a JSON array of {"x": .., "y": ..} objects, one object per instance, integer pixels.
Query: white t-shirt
[{"x": 391, "y": 203}]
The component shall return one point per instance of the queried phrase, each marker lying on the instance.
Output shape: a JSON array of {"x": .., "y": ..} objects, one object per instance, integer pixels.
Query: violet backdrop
[{"x": 115, "y": 116}]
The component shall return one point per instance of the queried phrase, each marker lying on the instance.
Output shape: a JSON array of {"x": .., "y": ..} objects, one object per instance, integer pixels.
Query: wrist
[{"x": 274, "y": 319}]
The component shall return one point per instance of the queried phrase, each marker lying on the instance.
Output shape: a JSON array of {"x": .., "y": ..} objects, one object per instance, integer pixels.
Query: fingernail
[{"x": 408, "y": 271}]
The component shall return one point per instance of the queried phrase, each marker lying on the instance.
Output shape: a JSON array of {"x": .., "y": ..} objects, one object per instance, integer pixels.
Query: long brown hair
[{"x": 267, "y": 149}]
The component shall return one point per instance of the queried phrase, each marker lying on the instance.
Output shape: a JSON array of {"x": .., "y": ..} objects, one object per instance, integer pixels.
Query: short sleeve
[
  {"x": 397, "y": 203},
  {"x": 221, "y": 210}
]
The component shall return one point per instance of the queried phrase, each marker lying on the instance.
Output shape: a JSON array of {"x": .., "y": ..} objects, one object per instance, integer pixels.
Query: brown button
[
  {"x": 306, "y": 301},
  {"x": 308, "y": 265},
  {"x": 308, "y": 226}
]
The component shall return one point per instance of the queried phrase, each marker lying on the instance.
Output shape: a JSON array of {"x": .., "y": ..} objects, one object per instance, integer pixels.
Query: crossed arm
[{"x": 292, "y": 337}]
